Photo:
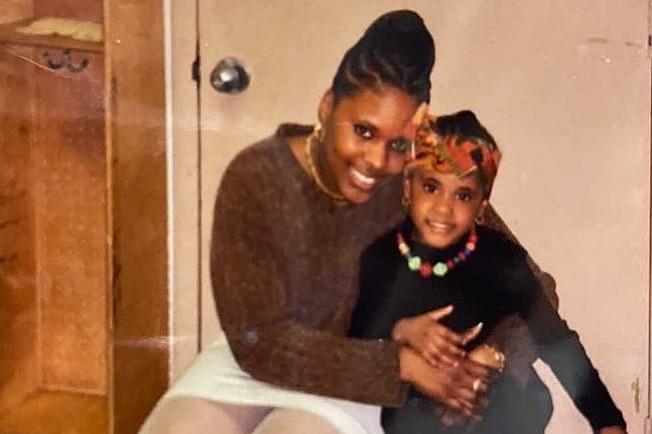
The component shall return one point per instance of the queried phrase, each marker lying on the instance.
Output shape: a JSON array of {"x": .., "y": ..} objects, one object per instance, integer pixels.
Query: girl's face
[
  {"x": 443, "y": 207},
  {"x": 366, "y": 137}
]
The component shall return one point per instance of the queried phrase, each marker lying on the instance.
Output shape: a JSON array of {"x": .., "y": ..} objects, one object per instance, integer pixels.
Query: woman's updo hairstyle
[{"x": 396, "y": 50}]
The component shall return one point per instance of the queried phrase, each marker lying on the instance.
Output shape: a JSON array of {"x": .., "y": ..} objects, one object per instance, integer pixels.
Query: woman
[{"x": 292, "y": 215}]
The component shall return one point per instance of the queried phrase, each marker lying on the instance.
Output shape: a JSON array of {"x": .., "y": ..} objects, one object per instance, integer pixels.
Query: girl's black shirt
[{"x": 492, "y": 284}]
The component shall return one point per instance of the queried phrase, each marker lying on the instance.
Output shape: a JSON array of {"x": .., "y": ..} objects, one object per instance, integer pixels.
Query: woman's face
[
  {"x": 443, "y": 207},
  {"x": 366, "y": 137}
]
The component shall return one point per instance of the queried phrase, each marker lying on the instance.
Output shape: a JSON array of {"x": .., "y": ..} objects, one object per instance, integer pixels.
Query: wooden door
[
  {"x": 563, "y": 85},
  {"x": 83, "y": 206}
]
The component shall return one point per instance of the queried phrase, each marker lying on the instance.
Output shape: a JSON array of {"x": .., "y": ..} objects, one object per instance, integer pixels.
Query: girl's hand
[
  {"x": 437, "y": 344},
  {"x": 612, "y": 430},
  {"x": 454, "y": 386}
]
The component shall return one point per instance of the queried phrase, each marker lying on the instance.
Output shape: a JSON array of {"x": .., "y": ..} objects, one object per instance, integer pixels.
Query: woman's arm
[
  {"x": 560, "y": 348},
  {"x": 512, "y": 335},
  {"x": 256, "y": 307},
  {"x": 493, "y": 220}
]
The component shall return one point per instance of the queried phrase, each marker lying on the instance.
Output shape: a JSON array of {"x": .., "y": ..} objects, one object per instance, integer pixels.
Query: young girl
[{"x": 439, "y": 257}]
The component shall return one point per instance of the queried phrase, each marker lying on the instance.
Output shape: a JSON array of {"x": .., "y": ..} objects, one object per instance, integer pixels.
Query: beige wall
[
  {"x": 569, "y": 101},
  {"x": 565, "y": 87}
]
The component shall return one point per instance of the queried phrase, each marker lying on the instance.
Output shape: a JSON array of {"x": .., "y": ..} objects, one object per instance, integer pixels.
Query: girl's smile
[{"x": 443, "y": 206}]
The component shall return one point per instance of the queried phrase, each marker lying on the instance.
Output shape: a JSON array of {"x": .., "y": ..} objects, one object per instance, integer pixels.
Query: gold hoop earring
[
  {"x": 480, "y": 217},
  {"x": 405, "y": 203},
  {"x": 318, "y": 132}
]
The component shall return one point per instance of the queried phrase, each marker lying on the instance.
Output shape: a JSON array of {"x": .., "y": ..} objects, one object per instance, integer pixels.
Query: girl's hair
[
  {"x": 396, "y": 50},
  {"x": 463, "y": 126}
]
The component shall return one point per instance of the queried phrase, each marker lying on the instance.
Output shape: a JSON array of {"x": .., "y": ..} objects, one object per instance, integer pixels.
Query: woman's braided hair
[{"x": 396, "y": 50}]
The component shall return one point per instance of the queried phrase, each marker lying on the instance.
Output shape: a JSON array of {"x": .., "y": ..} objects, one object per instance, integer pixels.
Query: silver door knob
[{"x": 230, "y": 76}]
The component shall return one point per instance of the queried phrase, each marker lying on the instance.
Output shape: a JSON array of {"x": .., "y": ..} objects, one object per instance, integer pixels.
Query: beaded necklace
[{"x": 425, "y": 268}]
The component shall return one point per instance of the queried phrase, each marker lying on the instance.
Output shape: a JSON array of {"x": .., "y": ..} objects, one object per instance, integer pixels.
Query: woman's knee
[
  {"x": 200, "y": 416},
  {"x": 291, "y": 421}
]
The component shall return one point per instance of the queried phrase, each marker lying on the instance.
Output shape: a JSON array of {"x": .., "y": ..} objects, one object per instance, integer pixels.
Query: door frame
[
  {"x": 137, "y": 207},
  {"x": 183, "y": 133}
]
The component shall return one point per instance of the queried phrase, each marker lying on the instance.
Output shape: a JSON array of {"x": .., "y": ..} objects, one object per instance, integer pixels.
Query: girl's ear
[
  {"x": 483, "y": 207},
  {"x": 325, "y": 106}
]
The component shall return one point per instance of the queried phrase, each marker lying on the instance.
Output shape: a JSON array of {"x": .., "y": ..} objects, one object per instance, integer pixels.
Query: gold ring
[{"x": 476, "y": 385}]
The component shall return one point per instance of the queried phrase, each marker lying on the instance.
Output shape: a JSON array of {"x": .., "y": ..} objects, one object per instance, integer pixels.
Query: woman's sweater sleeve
[
  {"x": 256, "y": 305},
  {"x": 493, "y": 220}
]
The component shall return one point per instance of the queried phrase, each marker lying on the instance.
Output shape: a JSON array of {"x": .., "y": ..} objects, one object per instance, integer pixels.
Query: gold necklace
[{"x": 337, "y": 197}]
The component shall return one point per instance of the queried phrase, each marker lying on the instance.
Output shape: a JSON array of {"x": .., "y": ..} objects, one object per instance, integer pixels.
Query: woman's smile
[
  {"x": 363, "y": 140},
  {"x": 361, "y": 181}
]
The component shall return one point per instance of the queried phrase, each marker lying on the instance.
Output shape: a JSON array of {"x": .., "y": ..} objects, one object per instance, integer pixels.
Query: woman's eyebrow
[
  {"x": 364, "y": 122},
  {"x": 367, "y": 123},
  {"x": 372, "y": 127}
]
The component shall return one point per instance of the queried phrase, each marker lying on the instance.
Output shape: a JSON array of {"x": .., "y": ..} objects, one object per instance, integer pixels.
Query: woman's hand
[
  {"x": 437, "y": 344},
  {"x": 612, "y": 430},
  {"x": 459, "y": 387}
]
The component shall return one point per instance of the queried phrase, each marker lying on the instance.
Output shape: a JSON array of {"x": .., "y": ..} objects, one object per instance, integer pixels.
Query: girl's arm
[
  {"x": 375, "y": 315},
  {"x": 560, "y": 348}
]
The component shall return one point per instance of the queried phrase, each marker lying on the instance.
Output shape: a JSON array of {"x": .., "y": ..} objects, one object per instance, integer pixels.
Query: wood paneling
[
  {"x": 56, "y": 413},
  {"x": 90, "y": 10},
  {"x": 135, "y": 56},
  {"x": 65, "y": 151},
  {"x": 14, "y": 10},
  {"x": 9, "y": 35},
  {"x": 69, "y": 186},
  {"x": 18, "y": 319}
]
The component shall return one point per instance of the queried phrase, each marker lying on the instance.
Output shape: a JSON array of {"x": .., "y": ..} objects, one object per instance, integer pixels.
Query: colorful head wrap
[{"x": 454, "y": 153}]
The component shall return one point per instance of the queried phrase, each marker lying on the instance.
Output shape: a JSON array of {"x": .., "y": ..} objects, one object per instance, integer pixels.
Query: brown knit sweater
[{"x": 284, "y": 263}]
